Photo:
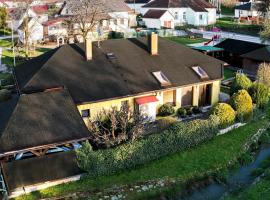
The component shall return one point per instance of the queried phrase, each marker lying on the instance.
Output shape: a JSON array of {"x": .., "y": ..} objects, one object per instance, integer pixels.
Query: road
[{"x": 224, "y": 34}]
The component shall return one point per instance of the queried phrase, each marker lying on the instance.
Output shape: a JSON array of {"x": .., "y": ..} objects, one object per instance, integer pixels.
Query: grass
[
  {"x": 228, "y": 24},
  {"x": 199, "y": 161},
  {"x": 186, "y": 40},
  {"x": 225, "y": 10},
  {"x": 228, "y": 73},
  {"x": 5, "y": 32}
]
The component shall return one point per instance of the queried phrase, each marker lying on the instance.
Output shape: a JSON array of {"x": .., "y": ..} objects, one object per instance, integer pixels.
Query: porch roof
[{"x": 147, "y": 99}]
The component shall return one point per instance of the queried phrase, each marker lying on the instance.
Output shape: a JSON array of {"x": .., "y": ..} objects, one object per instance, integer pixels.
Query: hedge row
[{"x": 178, "y": 137}]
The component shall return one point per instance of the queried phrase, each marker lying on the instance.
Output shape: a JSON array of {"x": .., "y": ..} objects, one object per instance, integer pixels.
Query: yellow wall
[{"x": 95, "y": 108}]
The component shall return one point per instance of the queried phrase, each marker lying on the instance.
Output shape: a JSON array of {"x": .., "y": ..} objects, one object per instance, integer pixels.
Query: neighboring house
[
  {"x": 247, "y": 10},
  {"x": 158, "y": 19},
  {"x": 253, "y": 59},
  {"x": 136, "y": 5},
  {"x": 83, "y": 79},
  {"x": 119, "y": 17},
  {"x": 55, "y": 29},
  {"x": 234, "y": 49},
  {"x": 194, "y": 12}
]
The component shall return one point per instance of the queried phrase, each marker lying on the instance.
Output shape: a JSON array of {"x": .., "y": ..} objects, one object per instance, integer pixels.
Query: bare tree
[
  {"x": 86, "y": 14},
  {"x": 263, "y": 74},
  {"x": 112, "y": 127}
]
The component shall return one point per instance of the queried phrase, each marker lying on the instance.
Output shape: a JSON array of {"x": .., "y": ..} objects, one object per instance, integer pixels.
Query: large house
[
  {"x": 65, "y": 87},
  {"x": 136, "y": 5},
  {"x": 194, "y": 12}
]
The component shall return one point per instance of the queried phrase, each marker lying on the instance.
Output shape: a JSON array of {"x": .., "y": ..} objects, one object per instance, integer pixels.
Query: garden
[{"x": 181, "y": 154}]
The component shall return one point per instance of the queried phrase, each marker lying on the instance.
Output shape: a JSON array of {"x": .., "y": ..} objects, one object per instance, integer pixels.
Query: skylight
[
  {"x": 200, "y": 72},
  {"x": 162, "y": 79},
  {"x": 111, "y": 55}
]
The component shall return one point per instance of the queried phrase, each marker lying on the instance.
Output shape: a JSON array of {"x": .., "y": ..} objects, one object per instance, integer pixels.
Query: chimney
[
  {"x": 88, "y": 49},
  {"x": 153, "y": 43}
]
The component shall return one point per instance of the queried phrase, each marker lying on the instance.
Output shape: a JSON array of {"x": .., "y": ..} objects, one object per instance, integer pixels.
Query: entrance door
[{"x": 205, "y": 95}]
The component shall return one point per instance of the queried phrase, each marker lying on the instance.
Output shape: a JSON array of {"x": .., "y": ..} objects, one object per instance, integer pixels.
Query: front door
[{"x": 205, "y": 95}]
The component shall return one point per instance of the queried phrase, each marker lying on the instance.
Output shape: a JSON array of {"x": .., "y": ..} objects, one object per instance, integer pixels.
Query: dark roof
[
  {"x": 262, "y": 54},
  {"x": 42, "y": 119},
  {"x": 238, "y": 47},
  {"x": 246, "y": 6},
  {"x": 154, "y": 14},
  {"x": 31, "y": 171},
  {"x": 137, "y": 1},
  {"x": 129, "y": 74},
  {"x": 196, "y": 5}
]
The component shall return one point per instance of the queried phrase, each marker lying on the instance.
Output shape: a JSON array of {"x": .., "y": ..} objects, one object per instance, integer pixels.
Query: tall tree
[
  {"x": 265, "y": 33},
  {"x": 263, "y": 6},
  {"x": 3, "y": 17},
  {"x": 86, "y": 15}
]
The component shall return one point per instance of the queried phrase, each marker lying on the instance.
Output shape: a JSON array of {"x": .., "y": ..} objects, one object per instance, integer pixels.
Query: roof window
[
  {"x": 200, "y": 72},
  {"x": 162, "y": 79}
]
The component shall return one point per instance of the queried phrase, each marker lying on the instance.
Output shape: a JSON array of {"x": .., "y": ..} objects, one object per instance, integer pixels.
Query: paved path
[{"x": 210, "y": 34}]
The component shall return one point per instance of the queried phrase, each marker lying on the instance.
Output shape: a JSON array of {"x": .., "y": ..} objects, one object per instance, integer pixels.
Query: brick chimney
[
  {"x": 88, "y": 49},
  {"x": 153, "y": 43}
]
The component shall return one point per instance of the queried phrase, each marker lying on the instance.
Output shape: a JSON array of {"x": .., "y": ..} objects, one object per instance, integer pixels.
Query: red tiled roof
[
  {"x": 147, "y": 99},
  {"x": 40, "y": 9},
  {"x": 53, "y": 21}
]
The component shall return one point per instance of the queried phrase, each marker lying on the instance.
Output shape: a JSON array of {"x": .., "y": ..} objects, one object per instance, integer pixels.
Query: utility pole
[{"x": 13, "y": 49}]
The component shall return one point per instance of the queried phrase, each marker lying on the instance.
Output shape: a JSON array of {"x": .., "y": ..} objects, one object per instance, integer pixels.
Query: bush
[
  {"x": 181, "y": 112},
  {"x": 242, "y": 104},
  {"x": 166, "y": 110},
  {"x": 189, "y": 111},
  {"x": 260, "y": 94},
  {"x": 4, "y": 95},
  {"x": 196, "y": 110},
  {"x": 166, "y": 122},
  {"x": 241, "y": 82},
  {"x": 179, "y": 136},
  {"x": 225, "y": 113}
]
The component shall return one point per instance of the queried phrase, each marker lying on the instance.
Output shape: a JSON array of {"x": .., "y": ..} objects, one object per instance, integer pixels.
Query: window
[
  {"x": 85, "y": 113},
  {"x": 176, "y": 15},
  {"x": 122, "y": 21},
  {"x": 162, "y": 79},
  {"x": 201, "y": 17},
  {"x": 184, "y": 16},
  {"x": 200, "y": 72}
]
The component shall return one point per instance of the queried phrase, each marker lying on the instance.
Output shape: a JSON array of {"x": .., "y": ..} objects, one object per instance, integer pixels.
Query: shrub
[
  {"x": 166, "y": 110},
  {"x": 4, "y": 95},
  {"x": 181, "y": 112},
  {"x": 242, "y": 104},
  {"x": 177, "y": 137},
  {"x": 260, "y": 94},
  {"x": 241, "y": 82},
  {"x": 225, "y": 113},
  {"x": 189, "y": 111},
  {"x": 263, "y": 74},
  {"x": 166, "y": 122},
  {"x": 196, "y": 110}
]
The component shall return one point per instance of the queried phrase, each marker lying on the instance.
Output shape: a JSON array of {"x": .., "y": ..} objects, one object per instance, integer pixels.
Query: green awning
[{"x": 207, "y": 48}]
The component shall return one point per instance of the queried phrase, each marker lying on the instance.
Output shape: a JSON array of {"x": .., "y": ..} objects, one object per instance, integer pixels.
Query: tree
[
  {"x": 3, "y": 17},
  {"x": 112, "y": 127},
  {"x": 241, "y": 82},
  {"x": 86, "y": 15},
  {"x": 260, "y": 94},
  {"x": 265, "y": 33},
  {"x": 263, "y": 6},
  {"x": 263, "y": 74}
]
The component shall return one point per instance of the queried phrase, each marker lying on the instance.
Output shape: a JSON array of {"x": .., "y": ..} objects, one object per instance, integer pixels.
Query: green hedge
[
  {"x": 177, "y": 137},
  {"x": 225, "y": 113},
  {"x": 241, "y": 82}
]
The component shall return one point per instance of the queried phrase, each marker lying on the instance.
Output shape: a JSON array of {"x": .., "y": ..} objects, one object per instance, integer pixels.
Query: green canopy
[{"x": 207, "y": 48}]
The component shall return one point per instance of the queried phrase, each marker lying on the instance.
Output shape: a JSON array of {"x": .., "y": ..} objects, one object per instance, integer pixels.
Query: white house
[
  {"x": 158, "y": 19},
  {"x": 136, "y": 5},
  {"x": 194, "y": 12},
  {"x": 246, "y": 10}
]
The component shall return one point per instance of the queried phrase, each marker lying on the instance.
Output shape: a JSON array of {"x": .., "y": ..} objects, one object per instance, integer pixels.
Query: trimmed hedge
[
  {"x": 177, "y": 137},
  {"x": 242, "y": 104},
  {"x": 225, "y": 113},
  {"x": 241, "y": 82},
  {"x": 166, "y": 110}
]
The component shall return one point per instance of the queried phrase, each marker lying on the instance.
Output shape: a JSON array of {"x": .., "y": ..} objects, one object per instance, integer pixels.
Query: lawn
[
  {"x": 228, "y": 24},
  {"x": 205, "y": 159},
  {"x": 228, "y": 73},
  {"x": 186, "y": 40}
]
